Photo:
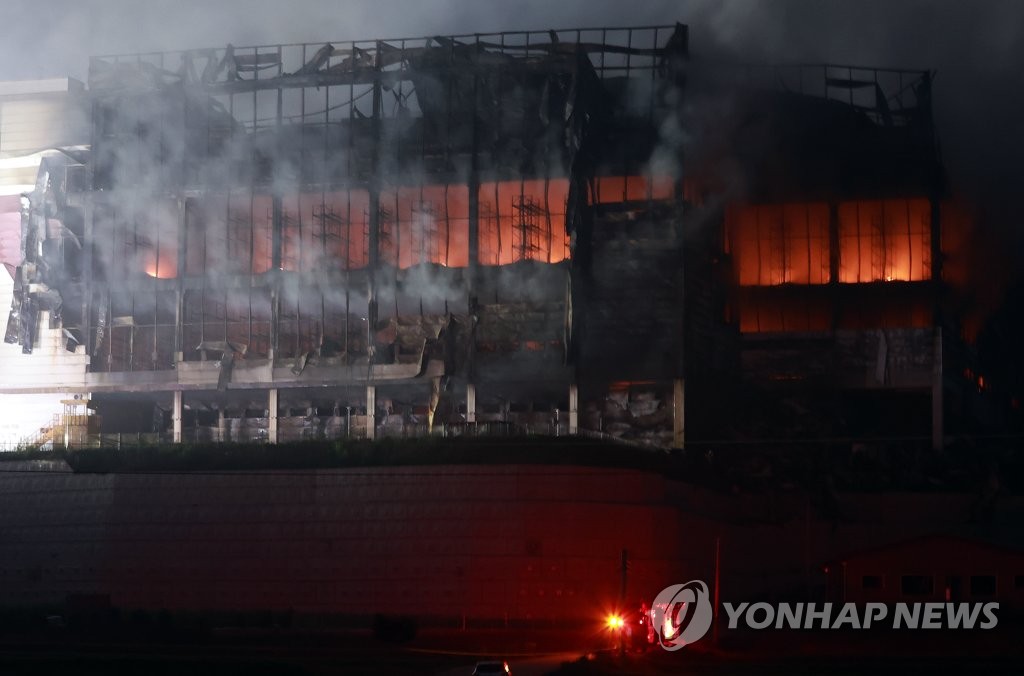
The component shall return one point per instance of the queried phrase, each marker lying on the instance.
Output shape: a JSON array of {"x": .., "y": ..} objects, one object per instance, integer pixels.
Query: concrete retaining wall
[
  {"x": 516, "y": 542},
  {"x": 485, "y": 542}
]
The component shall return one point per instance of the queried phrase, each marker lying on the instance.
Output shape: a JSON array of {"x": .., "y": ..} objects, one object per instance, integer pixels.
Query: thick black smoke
[{"x": 976, "y": 47}]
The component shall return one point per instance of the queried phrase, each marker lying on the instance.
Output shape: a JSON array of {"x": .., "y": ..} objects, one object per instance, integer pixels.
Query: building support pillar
[
  {"x": 272, "y": 415},
  {"x": 470, "y": 403},
  {"x": 678, "y": 413},
  {"x": 179, "y": 289},
  {"x": 474, "y": 196},
  {"x": 435, "y": 399},
  {"x": 574, "y": 416},
  {"x": 371, "y": 411},
  {"x": 87, "y": 285},
  {"x": 222, "y": 430},
  {"x": 938, "y": 404},
  {"x": 176, "y": 416}
]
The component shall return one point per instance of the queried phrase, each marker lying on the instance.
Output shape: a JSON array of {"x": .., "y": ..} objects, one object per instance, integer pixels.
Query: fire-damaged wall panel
[
  {"x": 633, "y": 295},
  {"x": 325, "y": 204}
]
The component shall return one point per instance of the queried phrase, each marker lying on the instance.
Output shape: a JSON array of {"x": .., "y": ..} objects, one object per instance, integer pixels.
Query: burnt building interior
[{"x": 526, "y": 231}]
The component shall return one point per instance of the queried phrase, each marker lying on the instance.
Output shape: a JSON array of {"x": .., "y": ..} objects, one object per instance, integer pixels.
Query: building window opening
[
  {"x": 871, "y": 582},
  {"x": 885, "y": 241},
  {"x": 778, "y": 244},
  {"x": 917, "y": 585},
  {"x": 983, "y": 585}
]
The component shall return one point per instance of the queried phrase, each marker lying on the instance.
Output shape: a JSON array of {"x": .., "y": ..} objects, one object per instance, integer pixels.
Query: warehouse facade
[{"x": 516, "y": 232}]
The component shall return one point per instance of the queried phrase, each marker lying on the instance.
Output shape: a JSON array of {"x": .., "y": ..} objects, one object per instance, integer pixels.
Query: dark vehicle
[{"x": 492, "y": 668}]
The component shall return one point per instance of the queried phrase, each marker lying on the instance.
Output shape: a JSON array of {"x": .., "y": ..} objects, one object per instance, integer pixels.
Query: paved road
[{"x": 521, "y": 666}]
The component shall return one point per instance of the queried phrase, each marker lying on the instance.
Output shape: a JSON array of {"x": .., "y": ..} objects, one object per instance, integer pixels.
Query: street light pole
[{"x": 718, "y": 568}]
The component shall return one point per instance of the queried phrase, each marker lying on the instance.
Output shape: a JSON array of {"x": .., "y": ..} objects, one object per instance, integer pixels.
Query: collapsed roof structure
[{"x": 529, "y": 230}]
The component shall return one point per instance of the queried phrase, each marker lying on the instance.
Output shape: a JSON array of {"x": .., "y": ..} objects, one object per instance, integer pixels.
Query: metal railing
[
  {"x": 613, "y": 51},
  {"x": 290, "y": 430}
]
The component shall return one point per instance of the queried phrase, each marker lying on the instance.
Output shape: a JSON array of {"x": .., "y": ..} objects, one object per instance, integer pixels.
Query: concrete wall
[
  {"x": 487, "y": 542},
  {"x": 868, "y": 359},
  {"x": 523, "y": 542},
  {"x": 40, "y": 114},
  {"x": 776, "y": 546},
  {"x": 948, "y": 564}
]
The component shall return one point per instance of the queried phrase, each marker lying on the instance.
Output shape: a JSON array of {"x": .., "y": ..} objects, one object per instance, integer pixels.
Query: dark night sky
[{"x": 976, "y": 47}]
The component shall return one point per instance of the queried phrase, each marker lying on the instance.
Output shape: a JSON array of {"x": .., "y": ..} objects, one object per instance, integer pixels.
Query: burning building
[{"x": 516, "y": 231}]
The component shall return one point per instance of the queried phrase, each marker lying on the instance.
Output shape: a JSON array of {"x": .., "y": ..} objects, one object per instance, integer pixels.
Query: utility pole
[
  {"x": 718, "y": 568},
  {"x": 624, "y": 624},
  {"x": 624, "y": 570}
]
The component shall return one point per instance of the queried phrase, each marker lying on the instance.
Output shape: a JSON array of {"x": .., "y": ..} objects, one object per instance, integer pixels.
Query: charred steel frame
[
  {"x": 455, "y": 102},
  {"x": 273, "y": 122}
]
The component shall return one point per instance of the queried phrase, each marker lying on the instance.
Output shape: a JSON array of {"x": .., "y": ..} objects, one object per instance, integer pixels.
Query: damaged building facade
[
  {"x": 515, "y": 232},
  {"x": 38, "y": 118}
]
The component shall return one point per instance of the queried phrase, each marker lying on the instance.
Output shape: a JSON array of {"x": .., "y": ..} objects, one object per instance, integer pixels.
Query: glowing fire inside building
[{"x": 505, "y": 232}]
